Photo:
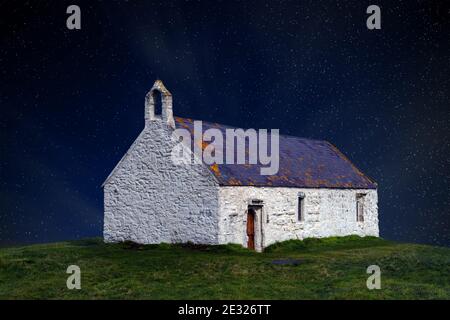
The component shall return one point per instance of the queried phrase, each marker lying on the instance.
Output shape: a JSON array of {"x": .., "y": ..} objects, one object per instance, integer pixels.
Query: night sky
[{"x": 72, "y": 102}]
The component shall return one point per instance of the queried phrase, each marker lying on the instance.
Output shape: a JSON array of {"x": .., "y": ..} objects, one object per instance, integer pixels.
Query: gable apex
[{"x": 166, "y": 115}]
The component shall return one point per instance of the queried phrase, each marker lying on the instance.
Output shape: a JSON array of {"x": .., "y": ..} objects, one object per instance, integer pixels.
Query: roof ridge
[{"x": 230, "y": 126}]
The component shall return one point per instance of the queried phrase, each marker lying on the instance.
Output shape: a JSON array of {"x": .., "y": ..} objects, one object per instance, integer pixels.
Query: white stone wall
[
  {"x": 327, "y": 212},
  {"x": 149, "y": 199}
]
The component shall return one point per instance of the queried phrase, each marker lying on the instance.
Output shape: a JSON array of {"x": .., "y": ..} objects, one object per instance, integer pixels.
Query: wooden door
[{"x": 251, "y": 229}]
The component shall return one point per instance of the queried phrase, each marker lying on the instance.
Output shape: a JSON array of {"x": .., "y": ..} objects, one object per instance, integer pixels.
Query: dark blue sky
[{"x": 72, "y": 102}]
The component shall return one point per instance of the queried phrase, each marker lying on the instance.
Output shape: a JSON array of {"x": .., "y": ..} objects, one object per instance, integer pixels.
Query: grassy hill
[{"x": 331, "y": 268}]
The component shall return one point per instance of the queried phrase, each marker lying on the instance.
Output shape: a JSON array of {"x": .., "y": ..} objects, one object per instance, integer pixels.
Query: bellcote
[{"x": 159, "y": 91}]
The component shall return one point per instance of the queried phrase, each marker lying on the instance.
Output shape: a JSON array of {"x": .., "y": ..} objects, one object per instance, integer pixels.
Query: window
[
  {"x": 300, "y": 207},
  {"x": 360, "y": 207}
]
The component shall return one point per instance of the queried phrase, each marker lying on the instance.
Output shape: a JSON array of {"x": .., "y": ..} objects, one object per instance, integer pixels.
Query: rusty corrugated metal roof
[{"x": 304, "y": 163}]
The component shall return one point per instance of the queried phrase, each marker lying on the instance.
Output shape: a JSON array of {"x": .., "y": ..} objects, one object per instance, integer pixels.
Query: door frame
[{"x": 258, "y": 226}]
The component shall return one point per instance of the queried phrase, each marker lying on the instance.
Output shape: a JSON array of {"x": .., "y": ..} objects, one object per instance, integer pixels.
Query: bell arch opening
[{"x": 157, "y": 103}]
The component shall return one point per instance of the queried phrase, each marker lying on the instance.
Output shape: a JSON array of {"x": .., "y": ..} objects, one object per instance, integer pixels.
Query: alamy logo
[
  {"x": 74, "y": 20},
  {"x": 74, "y": 280},
  {"x": 374, "y": 20},
  {"x": 208, "y": 147},
  {"x": 373, "y": 281}
]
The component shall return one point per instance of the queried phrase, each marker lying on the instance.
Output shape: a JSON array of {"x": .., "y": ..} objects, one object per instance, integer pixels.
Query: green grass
[{"x": 331, "y": 268}]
